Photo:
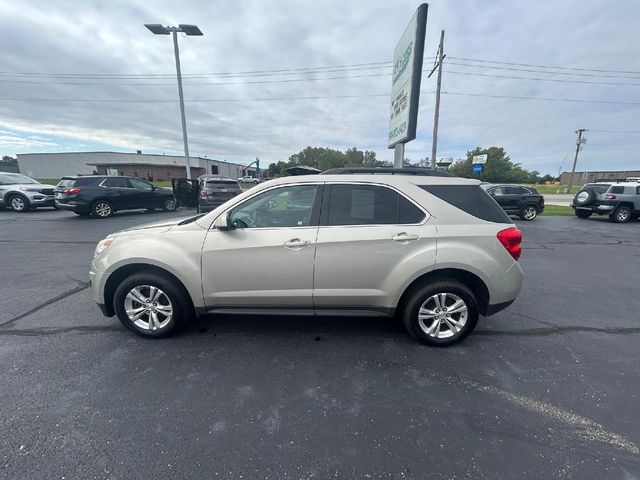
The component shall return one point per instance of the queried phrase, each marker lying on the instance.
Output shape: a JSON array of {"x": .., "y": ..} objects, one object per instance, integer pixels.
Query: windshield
[{"x": 16, "y": 179}]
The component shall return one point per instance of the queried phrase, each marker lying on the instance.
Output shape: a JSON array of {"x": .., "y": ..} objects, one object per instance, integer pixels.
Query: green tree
[
  {"x": 327, "y": 158},
  {"x": 7, "y": 160},
  {"x": 498, "y": 169}
]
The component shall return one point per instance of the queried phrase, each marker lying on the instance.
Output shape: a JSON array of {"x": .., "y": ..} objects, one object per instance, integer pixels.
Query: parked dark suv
[
  {"x": 523, "y": 201},
  {"x": 205, "y": 193},
  {"x": 101, "y": 196}
]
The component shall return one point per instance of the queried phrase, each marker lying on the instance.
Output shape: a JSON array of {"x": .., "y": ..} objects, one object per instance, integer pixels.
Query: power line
[
  {"x": 315, "y": 97},
  {"x": 634, "y": 132},
  {"x": 518, "y": 69},
  {"x": 557, "y": 80},
  {"x": 546, "y": 66}
]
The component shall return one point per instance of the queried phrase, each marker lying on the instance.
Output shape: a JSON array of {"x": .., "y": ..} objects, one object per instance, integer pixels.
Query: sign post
[{"x": 405, "y": 84}]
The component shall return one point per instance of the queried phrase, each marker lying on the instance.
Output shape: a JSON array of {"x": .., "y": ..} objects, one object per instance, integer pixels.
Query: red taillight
[
  {"x": 511, "y": 238},
  {"x": 72, "y": 191},
  {"x": 610, "y": 197}
]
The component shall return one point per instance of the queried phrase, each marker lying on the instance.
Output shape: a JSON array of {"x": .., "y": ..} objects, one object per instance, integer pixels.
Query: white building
[{"x": 154, "y": 167}]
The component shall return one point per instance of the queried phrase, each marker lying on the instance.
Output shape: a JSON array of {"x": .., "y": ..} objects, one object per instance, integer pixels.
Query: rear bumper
[
  {"x": 503, "y": 289},
  {"x": 73, "y": 207},
  {"x": 597, "y": 207}
]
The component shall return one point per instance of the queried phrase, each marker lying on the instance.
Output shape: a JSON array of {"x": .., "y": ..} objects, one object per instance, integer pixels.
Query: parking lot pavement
[{"x": 548, "y": 388}]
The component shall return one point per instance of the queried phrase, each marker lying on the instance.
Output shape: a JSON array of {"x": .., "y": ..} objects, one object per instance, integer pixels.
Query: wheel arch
[
  {"x": 118, "y": 275},
  {"x": 471, "y": 280}
]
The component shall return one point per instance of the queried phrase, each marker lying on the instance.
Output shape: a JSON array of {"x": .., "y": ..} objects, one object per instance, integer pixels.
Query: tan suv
[{"x": 435, "y": 251}]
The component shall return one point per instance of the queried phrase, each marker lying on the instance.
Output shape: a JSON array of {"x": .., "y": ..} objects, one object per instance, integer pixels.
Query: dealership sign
[
  {"x": 405, "y": 82},
  {"x": 479, "y": 159}
]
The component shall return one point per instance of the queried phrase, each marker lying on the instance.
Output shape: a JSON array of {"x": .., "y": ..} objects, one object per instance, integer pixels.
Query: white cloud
[{"x": 108, "y": 37}]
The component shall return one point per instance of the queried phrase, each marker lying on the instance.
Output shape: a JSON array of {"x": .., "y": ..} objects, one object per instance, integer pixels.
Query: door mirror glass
[{"x": 222, "y": 222}]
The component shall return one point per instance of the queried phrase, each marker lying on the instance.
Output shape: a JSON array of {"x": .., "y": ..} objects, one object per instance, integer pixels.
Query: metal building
[
  {"x": 580, "y": 178},
  {"x": 143, "y": 165}
]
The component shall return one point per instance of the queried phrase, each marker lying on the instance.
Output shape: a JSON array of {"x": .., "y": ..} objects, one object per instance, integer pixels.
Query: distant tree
[
  {"x": 498, "y": 169},
  {"x": 547, "y": 179},
  {"x": 7, "y": 160},
  {"x": 326, "y": 158}
]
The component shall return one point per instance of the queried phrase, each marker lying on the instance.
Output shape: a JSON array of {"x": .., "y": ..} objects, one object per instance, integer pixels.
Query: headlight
[
  {"x": 102, "y": 246},
  {"x": 30, "y": 189}
]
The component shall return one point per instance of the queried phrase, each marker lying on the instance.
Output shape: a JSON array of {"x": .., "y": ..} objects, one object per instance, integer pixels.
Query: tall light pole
[{"x": 158, "y": 29}]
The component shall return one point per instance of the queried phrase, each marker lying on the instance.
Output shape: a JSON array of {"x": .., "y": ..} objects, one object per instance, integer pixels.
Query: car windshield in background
[
  {"x": 16, "y": 179},
  {"x": 598, "y": 187}
]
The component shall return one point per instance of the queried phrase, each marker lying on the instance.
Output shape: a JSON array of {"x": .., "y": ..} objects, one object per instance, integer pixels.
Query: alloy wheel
[
  {"x": 148, "y": 307},
  {"x": 18, "y": 204},
  {"x": 622, "y": 215},
  {"x": 103, "y": 209},
  {"x": 443, "y": 315},
  {"x": 529, "y": 213},
  {"x": 170, "y": 204}
]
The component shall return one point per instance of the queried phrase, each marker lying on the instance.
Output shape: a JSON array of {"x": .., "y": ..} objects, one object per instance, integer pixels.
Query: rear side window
[
  {"x": 598, "y": 187},
  {"x": 117, "y": 182},
  {"x": 369, "y": 205},
  {"x": 471, "y": 199},
  {"x": 616, "y": 189}
]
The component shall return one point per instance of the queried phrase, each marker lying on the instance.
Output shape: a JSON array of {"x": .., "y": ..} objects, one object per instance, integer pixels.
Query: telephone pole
[
  {"x": 579, "y": 142},
  {"x": 436, "y": 116}
]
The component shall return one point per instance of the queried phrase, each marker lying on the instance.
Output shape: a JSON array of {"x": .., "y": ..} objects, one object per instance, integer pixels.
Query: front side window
[
  {"x": 290, "y": 206},
  {"x": 140, "y": 184},
  {"x": 370, "y": 205}
]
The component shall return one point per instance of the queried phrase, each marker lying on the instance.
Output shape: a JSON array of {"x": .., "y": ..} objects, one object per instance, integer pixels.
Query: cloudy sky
[{"x": 86, "y": 75}]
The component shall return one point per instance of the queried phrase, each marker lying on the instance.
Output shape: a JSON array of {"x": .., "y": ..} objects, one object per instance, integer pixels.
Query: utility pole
[
  {"x": 436, "y": 116},
  {"x": 579, "y": 142}
]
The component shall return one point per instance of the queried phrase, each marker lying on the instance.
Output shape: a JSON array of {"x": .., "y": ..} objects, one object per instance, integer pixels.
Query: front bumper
[{"x": 39, "y": 200}]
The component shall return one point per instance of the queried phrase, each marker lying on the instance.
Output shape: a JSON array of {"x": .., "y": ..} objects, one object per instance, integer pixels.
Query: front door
[
  {"x": 144, "y": 195},
  {"x": 505, "y": 199},
  {"x": 367, "y": 235},
  {"x": 265, "y": 260},
  {"x": 186, "y": 192}
]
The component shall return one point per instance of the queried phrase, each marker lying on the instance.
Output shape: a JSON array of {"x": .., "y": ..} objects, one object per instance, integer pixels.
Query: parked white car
[
  {"x": 248, "y": 179},
  {"x": 436, "y": 251},
  {"x": 21, "y": 193}
]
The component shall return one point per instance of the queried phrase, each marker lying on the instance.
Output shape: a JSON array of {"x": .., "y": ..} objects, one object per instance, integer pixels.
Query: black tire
[
  {"x": 169, "y": 204},
  {"x": 423, "y": 295},
  {"x": 583, "y": 213},
  {"x": 528, "y": 213},
  {"x": 18, "y": 203},
  {"x": 102, "y": 209},
  {"x": 622, "y": 214},
  {"x": 173, "y": 292},
  {"x": 584, "y": 197},
  {"x": 55, "y": 207}
]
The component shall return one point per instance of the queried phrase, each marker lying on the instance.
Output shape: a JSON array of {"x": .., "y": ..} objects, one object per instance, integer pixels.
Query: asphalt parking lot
[{"x": 548, "y": 388}]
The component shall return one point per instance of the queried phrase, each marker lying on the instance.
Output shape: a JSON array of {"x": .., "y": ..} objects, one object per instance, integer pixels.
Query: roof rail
[{"x": 428, "y": 172}]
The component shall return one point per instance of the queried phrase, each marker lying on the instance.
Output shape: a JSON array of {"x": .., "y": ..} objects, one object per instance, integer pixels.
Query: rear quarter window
[
  {"x": 616, "y": 189},
  {"x": 471, "y": 199}
]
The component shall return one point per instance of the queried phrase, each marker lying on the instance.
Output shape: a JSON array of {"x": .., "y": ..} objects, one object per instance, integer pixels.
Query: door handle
[
  {"x": 404, "y": 237},
  {"x": 296, "y": 243}
]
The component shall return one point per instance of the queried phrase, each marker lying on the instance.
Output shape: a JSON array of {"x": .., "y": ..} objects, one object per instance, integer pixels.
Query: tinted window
[
  {"x": 117, "y": 182},
  {"x": 471, "y": 199},
  {"x": 637, "y": 190},
  {"x": 369, "y": 205},
  {"x": 290, "y": 206},
  {"x": 140, "y": 184},
  {"x": 616, "y": 189},
  {"x": 78, "y": 182},
  {"x": 515, "y": 190},
  {"x": 598, "y": 187},
  {"x": 497, "y": 191}
]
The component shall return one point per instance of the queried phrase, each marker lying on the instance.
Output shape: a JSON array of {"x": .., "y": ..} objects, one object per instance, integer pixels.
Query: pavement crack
[
  {"x": 542, "y": 332},
  {"x": 78, "y": 288},
  {"x": 50, "y": 331}
]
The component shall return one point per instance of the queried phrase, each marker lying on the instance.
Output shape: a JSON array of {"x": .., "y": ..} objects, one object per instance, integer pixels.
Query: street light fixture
[{"x": 191, "y": 30}]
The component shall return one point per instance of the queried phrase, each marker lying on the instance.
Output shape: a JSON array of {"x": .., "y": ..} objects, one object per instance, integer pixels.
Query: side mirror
[{"x": 222, "y": 222}]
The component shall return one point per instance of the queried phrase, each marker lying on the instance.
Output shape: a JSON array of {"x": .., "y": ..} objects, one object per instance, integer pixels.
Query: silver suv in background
[
  {"x": 437, "y": 252},
  {"x": 21, "y": 193},
  {"x": 619, "y": 200}
]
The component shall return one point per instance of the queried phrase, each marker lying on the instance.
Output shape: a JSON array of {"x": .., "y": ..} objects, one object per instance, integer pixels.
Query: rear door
[
  {"x": 186, "y": 192},
  {"x": 119, "y": 192},
  {"x": 367, "y": 234}
]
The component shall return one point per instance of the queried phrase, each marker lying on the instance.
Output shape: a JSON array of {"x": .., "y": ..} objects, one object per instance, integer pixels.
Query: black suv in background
[
  {"x": 523, "y": 201},
  {"x": 101, "y": 196},
  {"x": 205, "y": 193}
]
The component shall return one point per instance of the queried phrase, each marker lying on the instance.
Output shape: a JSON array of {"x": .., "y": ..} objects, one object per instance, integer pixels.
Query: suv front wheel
[
  {"x": 441, "y": 314},
  {"x": 621, "y": 215},
  {"x": 151, "y": 305}
]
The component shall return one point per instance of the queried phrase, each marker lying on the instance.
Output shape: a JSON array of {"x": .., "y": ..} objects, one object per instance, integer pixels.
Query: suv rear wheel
[
  {"x": 621, "y": 215},
  {"x": 151, "y": 305},
  {"x": 441, "y": 314},
  {"x": 102, "y": 209}
]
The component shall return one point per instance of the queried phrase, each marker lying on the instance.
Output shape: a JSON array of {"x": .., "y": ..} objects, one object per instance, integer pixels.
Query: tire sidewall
[
  {"x": 615, "y": 214},
  {"x": 175, "y": 294},
  {"x": 410, "y": 313}
]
